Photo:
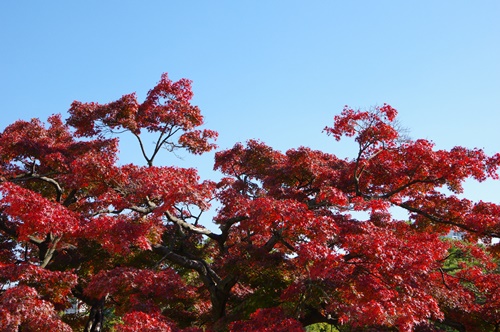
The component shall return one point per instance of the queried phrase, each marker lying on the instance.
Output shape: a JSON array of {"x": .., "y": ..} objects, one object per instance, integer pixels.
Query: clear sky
[{"x": 270, "y": 69}]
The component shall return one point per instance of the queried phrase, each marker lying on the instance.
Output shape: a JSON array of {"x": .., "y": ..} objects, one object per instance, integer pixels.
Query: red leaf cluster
[
  {"x": 35, "y": 214},
  {"x": 22, "y": 309},
  {"x": 267, "y": 320}
]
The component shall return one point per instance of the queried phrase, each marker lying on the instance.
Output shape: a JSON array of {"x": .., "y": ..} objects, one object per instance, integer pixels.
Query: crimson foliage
[{"x": 303, "y": 236}]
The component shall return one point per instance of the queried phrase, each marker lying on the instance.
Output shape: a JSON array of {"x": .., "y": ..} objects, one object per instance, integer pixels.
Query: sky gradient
[{"x": 277, "y": 71}]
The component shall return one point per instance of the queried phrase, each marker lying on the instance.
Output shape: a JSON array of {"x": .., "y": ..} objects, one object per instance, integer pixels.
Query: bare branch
[
  {"x": 440, "y": 220},
  {"x": 193, "y": 228},
  {"x": 54, "y": 183}
]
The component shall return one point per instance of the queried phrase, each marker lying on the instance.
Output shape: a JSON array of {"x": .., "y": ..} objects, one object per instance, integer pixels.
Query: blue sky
[{"x": 274, "y": 70}]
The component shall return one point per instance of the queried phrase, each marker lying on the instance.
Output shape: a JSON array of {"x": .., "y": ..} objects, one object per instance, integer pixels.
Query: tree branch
[
  {"x": 57, "y": 186},
  {"x": 444, "y": 221},
  {"x": 193, "y": 228},
  {"x": 143, "y": 150}
]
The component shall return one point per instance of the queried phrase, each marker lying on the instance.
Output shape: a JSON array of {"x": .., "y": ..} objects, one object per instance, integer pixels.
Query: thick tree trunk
[
  {"x": 96, "y": 317},
  {"x": 219, "y": 288},
  {"x": 219, "y": 300}
]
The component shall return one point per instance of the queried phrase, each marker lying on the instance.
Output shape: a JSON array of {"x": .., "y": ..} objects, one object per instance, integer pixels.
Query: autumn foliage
[{"x": 300, "y": 237}]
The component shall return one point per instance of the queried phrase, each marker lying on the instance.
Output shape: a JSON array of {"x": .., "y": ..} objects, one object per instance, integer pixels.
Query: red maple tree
[{"x": 303, "y": 237}]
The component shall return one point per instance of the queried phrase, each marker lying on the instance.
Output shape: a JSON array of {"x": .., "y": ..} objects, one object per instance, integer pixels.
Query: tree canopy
[{"x": 303, "y": 237}]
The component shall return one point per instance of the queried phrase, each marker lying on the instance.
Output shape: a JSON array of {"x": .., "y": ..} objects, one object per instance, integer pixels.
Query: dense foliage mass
[{"x": 303, "y": 236}]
